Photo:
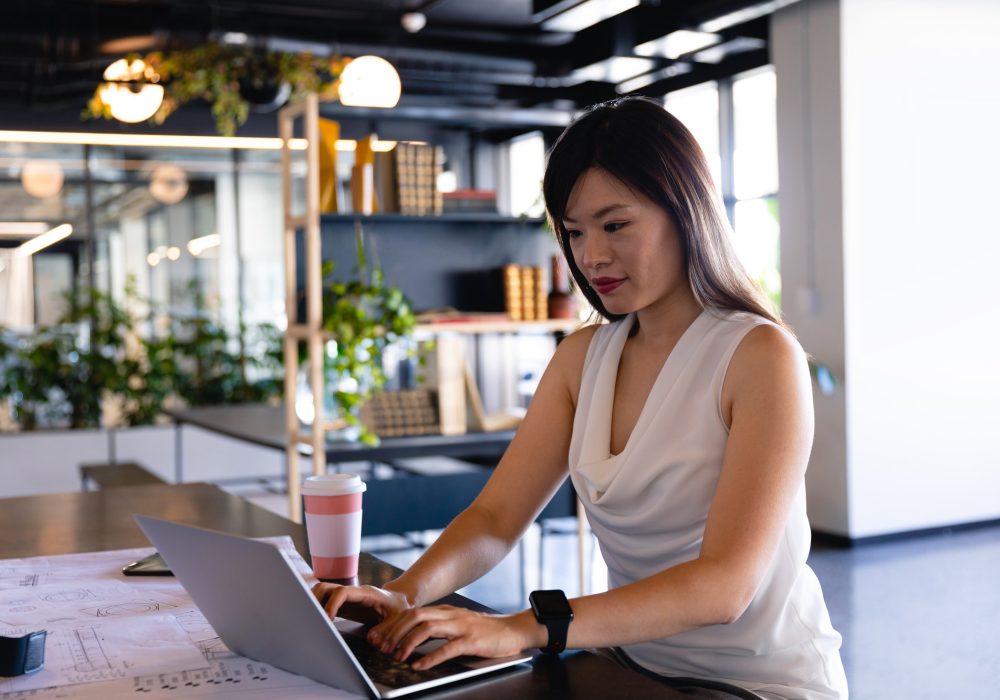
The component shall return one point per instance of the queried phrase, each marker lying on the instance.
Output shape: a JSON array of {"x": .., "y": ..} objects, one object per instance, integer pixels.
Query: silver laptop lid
[{"x": 258, "y": 604}]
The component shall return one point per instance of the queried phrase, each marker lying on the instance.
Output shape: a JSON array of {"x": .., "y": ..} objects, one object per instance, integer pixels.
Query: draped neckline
[{"x": 607, "y": 381}]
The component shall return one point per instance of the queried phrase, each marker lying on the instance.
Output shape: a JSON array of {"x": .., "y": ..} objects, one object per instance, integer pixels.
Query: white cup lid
[{"x": 333, "y": 485}]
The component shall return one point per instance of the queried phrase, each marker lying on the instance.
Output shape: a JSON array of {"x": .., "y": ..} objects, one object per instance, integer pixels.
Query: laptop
[{"x": 255, "y": 599}]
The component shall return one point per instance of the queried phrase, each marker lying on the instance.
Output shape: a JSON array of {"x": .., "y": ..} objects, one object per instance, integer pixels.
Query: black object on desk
[
  {"x": 21, "y": 655},
  {"x": 153, "y": 565}
]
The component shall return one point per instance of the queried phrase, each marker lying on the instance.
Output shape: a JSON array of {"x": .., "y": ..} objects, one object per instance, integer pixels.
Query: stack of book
[
  {"x": 401, "y": 413},
  {"x": 524, "y": 293},
  {"x": 470, "y": 201},
  {"x": 416, "y": 166}
]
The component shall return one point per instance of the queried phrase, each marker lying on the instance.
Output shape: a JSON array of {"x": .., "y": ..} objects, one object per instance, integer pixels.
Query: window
[
  {"x": 755, "y": 176},
  {"x": 527, "y": 166},
  {"x": 698, "y": 109},
  {"x": 735, "y": 122}
]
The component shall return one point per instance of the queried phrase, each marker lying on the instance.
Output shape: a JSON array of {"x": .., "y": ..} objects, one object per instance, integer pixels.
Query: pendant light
[
  {"x": 42, "y": 178},
  {"x": 369, "y": 81},
  {"x": 131, "y": 101},
  {"x": 168, "y": 183}
]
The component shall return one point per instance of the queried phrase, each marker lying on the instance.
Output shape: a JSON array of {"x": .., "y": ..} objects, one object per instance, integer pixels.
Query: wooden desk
[{"x": 101, "y": 520}]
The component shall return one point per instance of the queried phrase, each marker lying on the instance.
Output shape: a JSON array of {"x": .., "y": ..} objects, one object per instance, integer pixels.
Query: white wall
[
  {"x": 916, "y": 234},
  {"x": 48, "y": 461}
]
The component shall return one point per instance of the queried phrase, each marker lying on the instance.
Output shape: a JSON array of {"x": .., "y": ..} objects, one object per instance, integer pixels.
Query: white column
[{"x": 888, "y": 144}]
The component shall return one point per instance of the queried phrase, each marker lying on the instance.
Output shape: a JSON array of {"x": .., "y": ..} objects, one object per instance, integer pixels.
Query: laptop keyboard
[{"x": 383, "y": 669}]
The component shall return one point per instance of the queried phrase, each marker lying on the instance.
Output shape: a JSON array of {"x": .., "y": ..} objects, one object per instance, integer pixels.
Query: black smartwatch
[
  {"x": 20, "y": 655},
  {"x": 552, "y": 609}
]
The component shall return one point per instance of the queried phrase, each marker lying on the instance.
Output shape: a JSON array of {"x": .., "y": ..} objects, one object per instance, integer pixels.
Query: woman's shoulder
[
  {"x": 571, "y": 354},
  {"x": 574, "y": 347},
  {"x": 766, "y": 351}
]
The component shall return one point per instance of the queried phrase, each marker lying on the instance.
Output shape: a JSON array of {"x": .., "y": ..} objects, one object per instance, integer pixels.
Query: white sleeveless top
[{"x": 648, "y": 506}]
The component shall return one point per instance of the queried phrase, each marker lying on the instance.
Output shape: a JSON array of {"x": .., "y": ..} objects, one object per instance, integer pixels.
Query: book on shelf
[
  {"x": 417, "y": 168},
  {"x": 524, "y": 293},
  {"x": 444, "y": 372},
  {"x": 329, "y": 133},
  {"x": 469, "y": 201},
  {"x": 512, "y": 292},
  {"x": 386, "y": 189}
]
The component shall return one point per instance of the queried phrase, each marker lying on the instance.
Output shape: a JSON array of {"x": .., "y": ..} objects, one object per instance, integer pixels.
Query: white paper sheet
[{"x": 116, "y": 636}]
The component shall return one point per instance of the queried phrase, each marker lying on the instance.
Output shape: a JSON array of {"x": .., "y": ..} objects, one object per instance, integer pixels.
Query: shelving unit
[
  {"x": 310, "y": 332},
  {"x": 454, "y": 218}
]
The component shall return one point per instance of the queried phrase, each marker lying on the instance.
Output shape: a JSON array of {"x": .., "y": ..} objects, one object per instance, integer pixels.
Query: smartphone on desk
[{"x": 153, "y": 565}]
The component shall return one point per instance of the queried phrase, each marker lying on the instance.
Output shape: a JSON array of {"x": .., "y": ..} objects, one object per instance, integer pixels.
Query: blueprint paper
[
  {"x": 114, "y": 636},
  {"x": 119, "y": 648}
]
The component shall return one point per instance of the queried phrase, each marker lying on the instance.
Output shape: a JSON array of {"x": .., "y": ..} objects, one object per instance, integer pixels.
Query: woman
[{"x": 685, "y": 425}]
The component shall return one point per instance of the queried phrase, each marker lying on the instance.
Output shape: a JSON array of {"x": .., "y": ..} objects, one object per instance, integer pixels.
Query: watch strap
[
  {"x": 20, "y": 655},
  {"x": 558, "y": 632}
]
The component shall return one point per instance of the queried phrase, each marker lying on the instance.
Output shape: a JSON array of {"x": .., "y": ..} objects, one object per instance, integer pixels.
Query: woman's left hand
[{"x": 469, "y": 633}]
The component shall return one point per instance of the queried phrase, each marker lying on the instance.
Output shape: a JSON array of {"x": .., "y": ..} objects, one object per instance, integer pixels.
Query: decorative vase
[{"x": 561, "y": 302}]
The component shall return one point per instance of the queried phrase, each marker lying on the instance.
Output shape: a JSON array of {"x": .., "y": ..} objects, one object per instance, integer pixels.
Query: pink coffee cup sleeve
[{"x": 333, "y": 505}]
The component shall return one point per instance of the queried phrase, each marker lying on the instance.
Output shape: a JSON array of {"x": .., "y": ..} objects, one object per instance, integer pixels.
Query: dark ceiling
[{"x": 472, "y": 54}]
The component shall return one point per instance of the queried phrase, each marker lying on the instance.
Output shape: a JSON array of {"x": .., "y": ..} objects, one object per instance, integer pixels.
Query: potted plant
[{"x": 364, "y": 315}]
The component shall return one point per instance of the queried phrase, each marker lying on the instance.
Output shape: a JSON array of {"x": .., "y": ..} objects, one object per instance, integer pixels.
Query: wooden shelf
[
  {"x": 456, "y": 218},
  {"x": 301, "y": 332},
  {"x": 472, "y": 327}
]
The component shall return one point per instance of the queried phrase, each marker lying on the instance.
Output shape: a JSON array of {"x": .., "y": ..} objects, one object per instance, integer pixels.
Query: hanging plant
[{"x": 230, "y": 78}]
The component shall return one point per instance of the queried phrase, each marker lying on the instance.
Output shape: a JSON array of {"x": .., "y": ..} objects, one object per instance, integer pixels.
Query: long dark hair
[{"x": 637, "y": 141}]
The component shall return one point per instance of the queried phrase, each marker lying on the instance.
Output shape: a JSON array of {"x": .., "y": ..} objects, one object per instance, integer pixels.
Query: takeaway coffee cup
[{"x": 333, "y": 523}]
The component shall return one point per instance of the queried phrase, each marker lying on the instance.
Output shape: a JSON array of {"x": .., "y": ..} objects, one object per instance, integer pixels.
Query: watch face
[{"x": 551, "y": 605}]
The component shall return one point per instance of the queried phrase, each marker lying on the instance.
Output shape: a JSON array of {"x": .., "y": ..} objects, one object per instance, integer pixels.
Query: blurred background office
[{"x": 854, "y": 144}]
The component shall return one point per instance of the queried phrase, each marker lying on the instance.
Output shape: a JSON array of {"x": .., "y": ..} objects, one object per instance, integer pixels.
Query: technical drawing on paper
[
  {"x": 68, "y": 596},
  {"x": 214, "y": 649},
  {"x": 113, "y": 648},
  {"x": 131, "y": 607},
  {"x": 13, "y": 578}
]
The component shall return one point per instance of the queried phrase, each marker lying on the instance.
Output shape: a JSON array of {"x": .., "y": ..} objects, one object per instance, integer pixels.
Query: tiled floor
[{"x": 920, "y": 616}]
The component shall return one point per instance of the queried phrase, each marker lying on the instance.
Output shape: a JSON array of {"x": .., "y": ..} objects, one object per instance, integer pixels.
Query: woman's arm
[
  {"x": 531, "y": 470},
  {"x": 767, "y": 399}
]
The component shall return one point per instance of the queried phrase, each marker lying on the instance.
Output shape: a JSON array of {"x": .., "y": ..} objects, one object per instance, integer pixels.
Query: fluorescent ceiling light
[
  {"x": 614, "y": 69},
  {"x": 587, "y": 14},
  {"x": 715, "y": 54},
  {"x": 352, "y": 145},
  {"x": 676, "y": 44},
  {"x": 23, "y": 228},
  {"x": 148, "y": 140},
  {"x": 650, "y": 78},
  {"x": 745, "y": 15},
  {"x": 235, "y": 38},
  {"x": 197, "y": 246},
  {"x": 46, "y": 239}
]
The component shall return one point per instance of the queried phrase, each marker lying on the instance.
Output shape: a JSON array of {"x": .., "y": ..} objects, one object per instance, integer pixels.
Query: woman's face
[{"x": 626, "y": 246}]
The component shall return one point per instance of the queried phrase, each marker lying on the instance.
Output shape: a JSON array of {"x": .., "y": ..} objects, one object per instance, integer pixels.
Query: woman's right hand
[{"x": 385, "y": 603}]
